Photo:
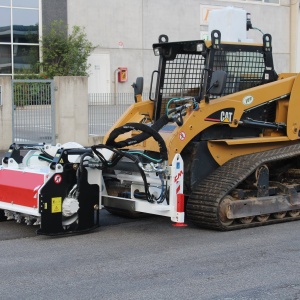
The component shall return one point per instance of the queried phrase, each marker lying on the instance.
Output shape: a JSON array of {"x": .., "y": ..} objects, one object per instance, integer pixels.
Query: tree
[{"x": 65, "y": 54}]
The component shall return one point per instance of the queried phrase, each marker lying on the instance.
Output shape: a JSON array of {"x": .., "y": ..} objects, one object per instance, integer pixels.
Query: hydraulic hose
[{"x": 147, "y": 132}]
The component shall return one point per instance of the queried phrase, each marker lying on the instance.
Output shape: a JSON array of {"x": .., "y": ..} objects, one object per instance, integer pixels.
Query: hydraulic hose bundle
[
  {"x": 172, "y": 115},
  {"x": 147, "y": 132}
]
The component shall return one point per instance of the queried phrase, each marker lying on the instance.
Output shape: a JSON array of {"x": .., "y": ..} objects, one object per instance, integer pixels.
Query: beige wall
[
  {"x": 71, "y": 109},
  {"x": 138, "y": 23},
  {"x": 294, "y": 32},
  {"x": 297, "y": 25},
  {"x": 6, "y": 113},
  {"x": 71, "y": 112}
]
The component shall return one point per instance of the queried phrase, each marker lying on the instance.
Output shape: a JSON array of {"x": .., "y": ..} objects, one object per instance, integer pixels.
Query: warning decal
[
  {"x": 57, "y": 179},
  {"x": 56, "y": 205},
  {"x": 182, "y": 135}
]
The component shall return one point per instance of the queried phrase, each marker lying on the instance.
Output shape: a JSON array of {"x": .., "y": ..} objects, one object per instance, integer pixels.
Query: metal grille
[
  {"x": 244, "y": 69},
  {"x": 183, "y": 77},
  {"x": 33, "y": 118}
]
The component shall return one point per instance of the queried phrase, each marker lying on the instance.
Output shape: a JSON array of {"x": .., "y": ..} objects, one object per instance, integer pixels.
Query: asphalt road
[{"x": 148, "y": 258}]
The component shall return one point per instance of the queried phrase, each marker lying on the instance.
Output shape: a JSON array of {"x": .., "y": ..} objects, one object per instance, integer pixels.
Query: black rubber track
[{"x": 202, "y": 206}]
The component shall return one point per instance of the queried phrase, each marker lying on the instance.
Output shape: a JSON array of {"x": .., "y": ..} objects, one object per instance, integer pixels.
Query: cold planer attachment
[{"x": 50, "y": 187}]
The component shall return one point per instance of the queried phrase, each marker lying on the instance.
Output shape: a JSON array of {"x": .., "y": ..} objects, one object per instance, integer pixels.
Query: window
[
  {"x": 27, "y": 3},
  {"x": 5, "y": 25},
  {"x": 257, "y": 1},
  {"x": 25, "y": 57},
  {"x": 5, "y": 2},
  {"x": 19, "y": 35},
  {"x": 5, "y": 59},
  {"x": 272, "y": 1},
  {"x": 25, "y": 26}
]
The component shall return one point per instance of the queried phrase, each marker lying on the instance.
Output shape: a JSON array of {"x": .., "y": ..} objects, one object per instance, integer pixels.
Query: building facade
[{"x": 124, "y": 32}]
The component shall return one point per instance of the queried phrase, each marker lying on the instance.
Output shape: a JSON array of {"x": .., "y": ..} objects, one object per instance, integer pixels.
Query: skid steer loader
[{"x": 218, "y": 143}]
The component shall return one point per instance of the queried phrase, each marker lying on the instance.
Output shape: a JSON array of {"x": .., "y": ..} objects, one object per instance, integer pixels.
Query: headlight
[
  {"x": 156, "y": 51},
  {"x": 199, "y": 47}
]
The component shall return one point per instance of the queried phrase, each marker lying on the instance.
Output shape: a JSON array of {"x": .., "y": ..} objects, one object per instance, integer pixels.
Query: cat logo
[
  {"x": 221, "y": 116},
  {"x": 226, "y": 116}
]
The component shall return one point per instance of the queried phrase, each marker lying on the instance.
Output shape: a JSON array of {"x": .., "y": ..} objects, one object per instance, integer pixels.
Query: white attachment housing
[{"x": 231, "y": 22}]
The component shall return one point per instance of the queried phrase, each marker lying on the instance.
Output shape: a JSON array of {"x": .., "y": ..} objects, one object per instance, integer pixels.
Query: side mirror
[
  {"x": 217, "y": 84},
  {"x": 138, "y": 87}
]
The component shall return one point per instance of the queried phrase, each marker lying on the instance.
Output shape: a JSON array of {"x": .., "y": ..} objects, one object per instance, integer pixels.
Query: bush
[{"x": 65, "y": 54}]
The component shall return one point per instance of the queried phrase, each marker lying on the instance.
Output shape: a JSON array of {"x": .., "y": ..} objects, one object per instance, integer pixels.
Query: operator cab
[{"x": 209, "y": 69}]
